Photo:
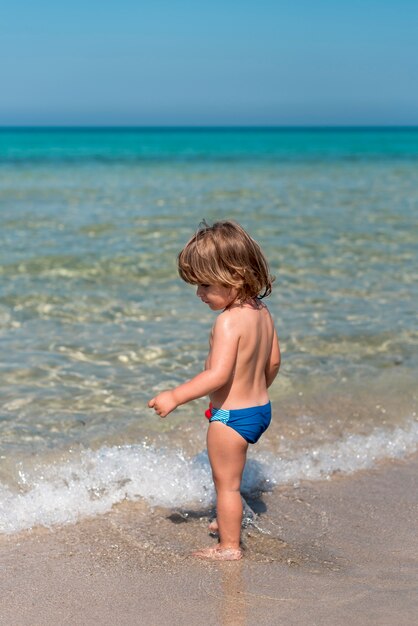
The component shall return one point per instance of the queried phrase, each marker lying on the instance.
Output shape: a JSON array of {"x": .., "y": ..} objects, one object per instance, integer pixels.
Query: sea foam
[{"x": 89, "y": 483}]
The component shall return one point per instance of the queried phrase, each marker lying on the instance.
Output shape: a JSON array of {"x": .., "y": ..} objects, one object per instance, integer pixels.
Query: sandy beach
[{"x": 338, "y": 552}]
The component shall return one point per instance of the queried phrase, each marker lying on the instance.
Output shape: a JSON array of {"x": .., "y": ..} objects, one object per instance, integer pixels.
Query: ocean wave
[{"x": 89, "y": 483}]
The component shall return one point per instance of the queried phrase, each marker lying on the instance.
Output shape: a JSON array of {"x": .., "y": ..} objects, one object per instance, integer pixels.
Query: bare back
[{"x": 256, "y": 350}]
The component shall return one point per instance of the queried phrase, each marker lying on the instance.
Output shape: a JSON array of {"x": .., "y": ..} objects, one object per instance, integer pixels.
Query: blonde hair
[{"x": 225, "y": 254}]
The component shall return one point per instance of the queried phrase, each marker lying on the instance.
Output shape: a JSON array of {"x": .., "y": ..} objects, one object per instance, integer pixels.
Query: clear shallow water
[{"x": 94, "y": 320}]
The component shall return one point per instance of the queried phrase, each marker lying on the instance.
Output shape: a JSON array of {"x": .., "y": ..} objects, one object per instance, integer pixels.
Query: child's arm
[
  {"x": 273, "y": 364},
  {"x": 225, "y": 340}
]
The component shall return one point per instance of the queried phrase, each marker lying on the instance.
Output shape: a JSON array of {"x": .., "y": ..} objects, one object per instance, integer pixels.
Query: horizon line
[{"x": 175, "y": 127}]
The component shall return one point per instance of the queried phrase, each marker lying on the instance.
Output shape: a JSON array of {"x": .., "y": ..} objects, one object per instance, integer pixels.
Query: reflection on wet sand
[{"x": 233, "y": 606}]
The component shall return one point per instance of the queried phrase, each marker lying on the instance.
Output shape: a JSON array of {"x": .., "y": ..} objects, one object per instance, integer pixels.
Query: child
[{"x": 232, "y": 276}]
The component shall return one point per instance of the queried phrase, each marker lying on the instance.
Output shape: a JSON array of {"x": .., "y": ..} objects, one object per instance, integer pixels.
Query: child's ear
[{"x": 239, "y": 276}]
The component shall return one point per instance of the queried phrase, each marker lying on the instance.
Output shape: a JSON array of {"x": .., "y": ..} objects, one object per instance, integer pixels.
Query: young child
[{"x": 232, "y": 276}]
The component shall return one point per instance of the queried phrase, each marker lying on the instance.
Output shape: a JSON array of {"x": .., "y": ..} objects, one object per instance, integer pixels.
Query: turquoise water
[
  {"x": 130, "y": 144},
  {"x": 94, "y": 320}
]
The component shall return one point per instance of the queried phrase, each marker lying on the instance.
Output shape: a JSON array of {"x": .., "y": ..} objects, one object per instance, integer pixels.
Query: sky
[{"x": 190, "y": 63}]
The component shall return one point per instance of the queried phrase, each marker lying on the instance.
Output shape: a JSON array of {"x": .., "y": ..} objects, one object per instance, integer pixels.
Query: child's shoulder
[{"x": 228, "y": 320}]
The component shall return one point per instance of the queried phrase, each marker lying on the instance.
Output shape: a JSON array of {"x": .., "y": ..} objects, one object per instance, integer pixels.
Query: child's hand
[{"x": 164, "y": 403}]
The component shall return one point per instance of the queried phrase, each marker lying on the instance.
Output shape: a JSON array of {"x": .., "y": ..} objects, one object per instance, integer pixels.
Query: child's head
[{"x": 224, "y": 254}]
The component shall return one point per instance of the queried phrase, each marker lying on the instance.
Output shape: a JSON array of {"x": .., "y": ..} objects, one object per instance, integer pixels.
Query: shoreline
[{"x": 342, "y": 551}]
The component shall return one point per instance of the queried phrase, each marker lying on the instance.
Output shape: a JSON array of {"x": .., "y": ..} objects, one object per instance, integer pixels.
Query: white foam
[
  {"x": 95, "y": 480},
  {"x": 91, "y": 482},
  {"x": 347, "y": 456}
]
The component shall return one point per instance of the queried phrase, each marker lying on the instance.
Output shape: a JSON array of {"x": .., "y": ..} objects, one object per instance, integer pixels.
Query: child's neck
[{"x": 252, "y": 303}]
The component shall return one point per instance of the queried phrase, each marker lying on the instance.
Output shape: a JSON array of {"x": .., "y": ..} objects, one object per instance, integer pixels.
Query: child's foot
[
  {"x": 213, "y": 527},
  {"x": 219, "y": 554}
]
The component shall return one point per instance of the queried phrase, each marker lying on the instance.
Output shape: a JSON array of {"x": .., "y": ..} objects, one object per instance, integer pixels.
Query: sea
[{"x": 94, "y": 319}]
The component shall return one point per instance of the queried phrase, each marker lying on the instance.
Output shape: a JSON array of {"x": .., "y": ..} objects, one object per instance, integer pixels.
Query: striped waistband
[{"x": 225, "y": 414}]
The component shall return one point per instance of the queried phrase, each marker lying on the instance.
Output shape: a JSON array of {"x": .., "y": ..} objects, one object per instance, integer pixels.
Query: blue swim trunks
[{"x": 249, "y": 423}]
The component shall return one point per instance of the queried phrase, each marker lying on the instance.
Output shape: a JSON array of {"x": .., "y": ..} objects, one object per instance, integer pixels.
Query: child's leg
[{"x": 227, "y": 455}]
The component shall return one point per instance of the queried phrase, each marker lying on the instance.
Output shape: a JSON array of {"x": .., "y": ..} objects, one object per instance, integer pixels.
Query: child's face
[{"x": 217, "y": 297}]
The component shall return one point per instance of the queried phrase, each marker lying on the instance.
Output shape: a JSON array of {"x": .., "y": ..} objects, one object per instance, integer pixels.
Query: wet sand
[{"x": 339, "y": 552}]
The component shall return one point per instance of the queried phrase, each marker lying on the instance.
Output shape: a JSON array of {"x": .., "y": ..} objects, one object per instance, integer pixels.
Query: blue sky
[{"x": 310, "y": 62}]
